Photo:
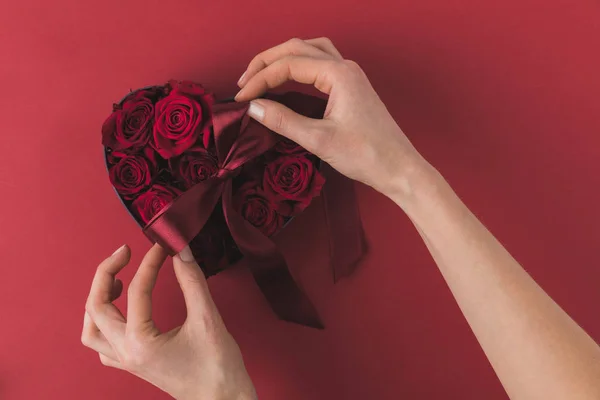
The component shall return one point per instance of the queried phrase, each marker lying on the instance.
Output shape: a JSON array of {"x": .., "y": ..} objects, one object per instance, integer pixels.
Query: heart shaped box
[
  {"x": 213, "y": 247},
  {"x": 193, "y": 170}
]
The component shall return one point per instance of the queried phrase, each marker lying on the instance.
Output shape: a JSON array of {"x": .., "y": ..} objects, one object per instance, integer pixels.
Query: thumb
[
  {"x": 305, "y": 131},
  {"x": 193, "y": 283}
]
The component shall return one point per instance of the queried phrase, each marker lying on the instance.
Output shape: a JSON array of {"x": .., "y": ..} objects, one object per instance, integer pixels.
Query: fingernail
[
  {"x": 120, "y": 249},
  {"x": 239, "y": 82},
  {"x": 237, "y": 96},
  {"x": 256, "y": 111},
  {"x": 186, "y": 255}
]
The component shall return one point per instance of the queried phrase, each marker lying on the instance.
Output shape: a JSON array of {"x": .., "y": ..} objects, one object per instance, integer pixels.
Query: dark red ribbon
[{"x": 238, "y": 140}]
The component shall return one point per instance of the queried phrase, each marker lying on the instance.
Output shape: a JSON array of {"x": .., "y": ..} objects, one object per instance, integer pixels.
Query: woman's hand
[
  {"x": 357, "y": 135},
  {"x": 198, "y": 360}
]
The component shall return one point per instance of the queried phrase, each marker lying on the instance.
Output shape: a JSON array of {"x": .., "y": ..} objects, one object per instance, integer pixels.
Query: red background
[{"x": 502, "y": 97}]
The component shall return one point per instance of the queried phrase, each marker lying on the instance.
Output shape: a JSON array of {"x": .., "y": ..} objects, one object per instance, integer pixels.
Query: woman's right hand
[{"x": 357, "y": 135}]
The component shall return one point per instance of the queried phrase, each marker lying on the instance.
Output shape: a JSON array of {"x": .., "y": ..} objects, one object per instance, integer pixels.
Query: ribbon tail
[
  {"x": 269, "y": 269},
  {"x": 284, "y": 295},
  {"x": 347, "y": 242}
]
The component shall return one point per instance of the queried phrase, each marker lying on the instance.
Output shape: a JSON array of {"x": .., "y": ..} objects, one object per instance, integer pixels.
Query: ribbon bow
[{"x": 238, "y": 140}]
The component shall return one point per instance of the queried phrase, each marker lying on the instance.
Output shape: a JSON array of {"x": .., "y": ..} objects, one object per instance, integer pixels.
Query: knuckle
[
  {"x": 92, "y": 308},
  {"x": 279, "y": 122},
  {"x": 86, "y": 339},
  {"x": 295, "y": 42},
  {"x": 279, "y": 71},
  {"x": 257, "y": 60},
  {"x": 134, "y": 355},
  {"x": 135, "y": 340},
  {"x": 297, "y": 47},
  {"x": 325, "y": 40},
  {"x": 104, "y": 361},
  {"x": 345, "y": 69},
  {"x": 352, "y": 66}
]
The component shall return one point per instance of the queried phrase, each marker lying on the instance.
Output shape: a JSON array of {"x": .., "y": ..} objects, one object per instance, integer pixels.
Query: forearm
[{"x": 536, "y": 349}]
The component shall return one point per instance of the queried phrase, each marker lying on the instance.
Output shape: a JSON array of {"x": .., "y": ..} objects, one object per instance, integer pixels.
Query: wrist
[
  {"x": 413, "y": 183},
  {"x": 226, "y": 391},
  {"x": 249, "y": 394},
  {"x": 246, "y": 394}
]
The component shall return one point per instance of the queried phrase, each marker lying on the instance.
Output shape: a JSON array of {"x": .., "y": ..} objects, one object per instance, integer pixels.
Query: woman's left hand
[{"x": 198, "y": 360}]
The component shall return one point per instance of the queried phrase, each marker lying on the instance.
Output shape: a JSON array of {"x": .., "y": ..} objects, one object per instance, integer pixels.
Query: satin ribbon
[{"x": 238, "y": 140}]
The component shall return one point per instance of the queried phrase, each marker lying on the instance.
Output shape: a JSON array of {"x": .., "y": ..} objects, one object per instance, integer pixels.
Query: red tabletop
[{"x": 502, "y": 97}]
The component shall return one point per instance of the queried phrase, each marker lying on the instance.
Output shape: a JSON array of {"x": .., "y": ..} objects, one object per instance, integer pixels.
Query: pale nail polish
[
  {"x": 256, "y": 111},
  {"x": 238, "y": 94},
  {"x": 239, "y": 82},
  {"x": 120, "y": 249},
  {"x": 186, "y": 255}
]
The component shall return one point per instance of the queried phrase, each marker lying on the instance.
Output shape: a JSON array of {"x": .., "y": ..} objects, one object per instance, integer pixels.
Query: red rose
[
  {"x": 130, "y": 174},
  {"x": 294, "y": 180},
  {"x": 181, "y": 118},
  {"x": 130, "y": 124},
  {"x": 150, "y": 203},
  {"x": 287, "y": 146},
  {"x": 193, "y": 166},
  {"x": 257, "y": 209}
]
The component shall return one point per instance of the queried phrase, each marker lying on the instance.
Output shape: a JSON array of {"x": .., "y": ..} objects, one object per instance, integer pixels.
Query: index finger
[
  {"x": 293, "y": 47},
  {"x": 311, "y": 71},
  {"x": 139, "y": 294}
]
